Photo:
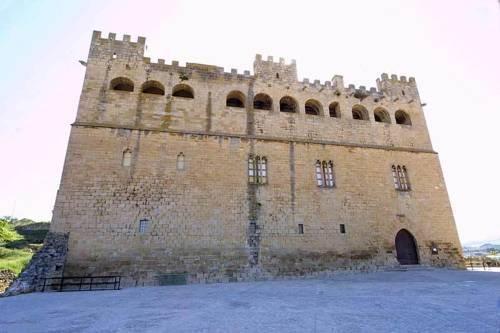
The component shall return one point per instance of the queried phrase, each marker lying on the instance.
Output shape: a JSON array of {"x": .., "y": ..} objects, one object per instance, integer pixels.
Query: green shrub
[{"x": 7, "y": 232}]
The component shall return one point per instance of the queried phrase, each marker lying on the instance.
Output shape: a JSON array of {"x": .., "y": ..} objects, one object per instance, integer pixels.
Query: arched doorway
[{"x": 406, "y": 248}]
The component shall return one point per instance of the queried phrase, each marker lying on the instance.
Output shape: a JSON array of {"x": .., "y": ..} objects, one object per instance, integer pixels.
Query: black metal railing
[{"x": 81, "y": 283}]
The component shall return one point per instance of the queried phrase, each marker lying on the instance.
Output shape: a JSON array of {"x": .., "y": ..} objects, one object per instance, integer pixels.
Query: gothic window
[
  {"x": 257, "y": 169},
  {"x": 180, "y": 162},
  {"x": 324, "y": 174},
  {"x": 127, "y": 158},
  {"x": 400, "y": 176}
]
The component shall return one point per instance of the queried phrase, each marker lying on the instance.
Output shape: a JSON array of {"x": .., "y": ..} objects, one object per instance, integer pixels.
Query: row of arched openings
[
  {"x": 263, "y": 101},
  {"x": 151, "y": 87}
]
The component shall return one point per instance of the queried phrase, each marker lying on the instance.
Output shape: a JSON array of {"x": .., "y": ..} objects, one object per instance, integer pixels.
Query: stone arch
[
  {"x": 235, "y": 99},
  {"x": 334, "y": 110},
  {"x": 183, "y": 90},
  {"x": 359, "y": 112},
  {"x": 406, "y": 248},
  {"x": 313, "y": 107},
  {"x": 262, "y": 102},
  {"x": 122, "y": 84},
  {"x": 288, "y": 104},
  {"x": 381, "y": 115},
  {"x": 402, "y": 118},
  {"x": 153, "y": 87}
]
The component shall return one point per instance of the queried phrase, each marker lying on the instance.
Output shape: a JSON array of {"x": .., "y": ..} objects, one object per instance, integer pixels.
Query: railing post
[
  {"x": 91, "y": 278},
  {"x": 61, "y": 283},
  {"x": 119, "y": 282},
  {"x": 44, "y": 282}
]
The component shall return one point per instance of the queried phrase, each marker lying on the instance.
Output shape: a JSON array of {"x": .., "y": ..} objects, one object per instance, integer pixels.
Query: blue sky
[{"x": 451, "y": 47}]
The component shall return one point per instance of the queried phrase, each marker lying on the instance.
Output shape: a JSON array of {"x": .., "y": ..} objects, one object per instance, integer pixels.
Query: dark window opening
[
  {"x": 235, "y": 99},
  {"x": 359, "y": 113},
  {"x": 262, "y": 102},
  {"x": 301, "y": 228},
  {"x": 313, "y": 108},
  {"x": 277, "y": 75},
  {"x": 153, "y": 87},
  {"x": 381, "y": 116},
  {"x": 334, "y": 110},
  {"x": 122, "y": 84},
  {"x": 342, "y": 228},
  {"x": 288, "y": 104},
  {"x": 182, "y": 90},
  {"x": 402, "y": 118}
]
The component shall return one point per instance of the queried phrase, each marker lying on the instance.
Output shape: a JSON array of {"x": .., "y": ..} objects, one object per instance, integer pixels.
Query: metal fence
[{"x": 81, "y": 283}]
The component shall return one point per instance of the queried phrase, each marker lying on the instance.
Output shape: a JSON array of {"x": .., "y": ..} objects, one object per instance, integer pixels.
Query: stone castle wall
[{"x": 205, "y": 220}]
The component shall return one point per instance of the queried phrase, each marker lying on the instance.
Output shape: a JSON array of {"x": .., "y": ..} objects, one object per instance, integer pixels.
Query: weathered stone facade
[{"x": 137, "y": 152}]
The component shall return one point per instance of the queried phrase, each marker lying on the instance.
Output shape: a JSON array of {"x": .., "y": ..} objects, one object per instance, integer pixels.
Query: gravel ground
[{"x": 412, "y": 301}]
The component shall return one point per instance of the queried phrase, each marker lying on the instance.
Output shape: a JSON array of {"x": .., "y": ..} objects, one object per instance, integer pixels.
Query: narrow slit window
[
  {"x": 301, "y": 228},
  {"x": 342, "y": 228},
  {"x": 127, "y": 158},
  {"x": 181, "y": 165},
  {"x": 143, "y": 226}
]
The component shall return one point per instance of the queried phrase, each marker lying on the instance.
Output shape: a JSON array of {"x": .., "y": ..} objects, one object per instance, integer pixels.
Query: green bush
[{"x": 7, "y": 232}]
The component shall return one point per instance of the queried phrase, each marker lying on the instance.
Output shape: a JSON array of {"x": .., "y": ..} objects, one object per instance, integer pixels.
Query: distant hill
[{"x": 488, "y": 246}]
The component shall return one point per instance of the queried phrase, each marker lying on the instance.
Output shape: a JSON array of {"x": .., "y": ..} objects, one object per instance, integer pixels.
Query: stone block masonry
[
  {"x": 48, "y": 262},
  {"x": 157, "y": 177}
]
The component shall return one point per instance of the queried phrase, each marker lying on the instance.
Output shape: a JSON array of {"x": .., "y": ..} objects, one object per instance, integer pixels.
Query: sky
[{"x": 451, "y": 47}]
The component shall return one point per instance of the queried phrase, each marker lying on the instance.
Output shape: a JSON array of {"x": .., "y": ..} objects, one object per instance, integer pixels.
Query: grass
[
  {"x": 19, "y": 242},
  {"x": 14, "y": 259}
]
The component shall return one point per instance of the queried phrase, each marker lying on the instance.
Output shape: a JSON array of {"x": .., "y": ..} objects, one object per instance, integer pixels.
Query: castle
[{"x": 207, "y": 175}]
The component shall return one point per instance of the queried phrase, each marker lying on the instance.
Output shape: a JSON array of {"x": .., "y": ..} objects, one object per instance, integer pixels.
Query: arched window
[
  {"x": 359, "y": 112},
  {"x": 334, "y": 110},
  {"x": 400, "y": 176},
  {"x": 153, "y": 87},
  {"x": 127, "y": 158},
  {"x": 313, "y": 107},
  {"x": 381, "y": 116},
  {"x": 402, "y": 118},
  {"x": 257, "y": 169},
  {"x": 288, "y": 104},
  {"x": 183, "y": 90},
  {"x": 262, "y": 102},
  {"x": 324, "y": 174},
  {"x": 121, "y": 84},
  {"x": 235, "y": 99},
  {"x": 181, "y": 165}
]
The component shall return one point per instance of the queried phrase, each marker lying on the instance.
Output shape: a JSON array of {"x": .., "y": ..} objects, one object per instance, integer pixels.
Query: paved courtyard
[{"x": 413, "y": 301}]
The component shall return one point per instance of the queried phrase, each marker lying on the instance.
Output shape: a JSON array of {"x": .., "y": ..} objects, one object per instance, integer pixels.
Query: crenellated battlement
[
  {"x": 267, "y": 70},
  {"x": 270, "y": 70},
  {"x": 96, "y": 37}
]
